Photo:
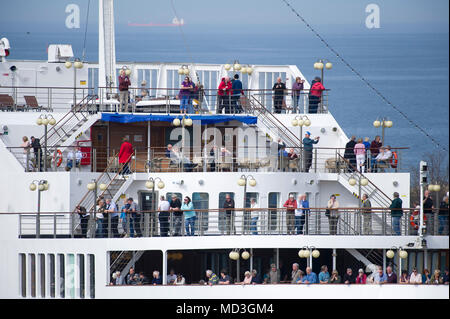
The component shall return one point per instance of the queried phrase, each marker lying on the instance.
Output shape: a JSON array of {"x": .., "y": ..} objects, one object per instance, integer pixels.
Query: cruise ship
[{"x": 74, "y": 109}]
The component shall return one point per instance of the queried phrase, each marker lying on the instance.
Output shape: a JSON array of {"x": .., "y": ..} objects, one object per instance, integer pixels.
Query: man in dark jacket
[
  {"x": 428, "y": 212},
  {"x": 177, "y": 215},
  {"x": 349, "y": 153},
  {"x": 279, "y": 89},
  {"x": 229, "y": 214},
  {"x": 443, "y": 217},
  {"x": 124, "y": 83},
  {"x": 236, "y": 86},
  {"x": 374, "y": 151},
  {"x": 349, "y": 277},
  {"x": 396, "y": 213},
  {"x": 36, "y": 145}
]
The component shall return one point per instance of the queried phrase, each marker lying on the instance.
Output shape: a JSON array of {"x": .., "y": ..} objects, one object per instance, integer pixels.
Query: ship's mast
[{"x": 106, "y": 45}]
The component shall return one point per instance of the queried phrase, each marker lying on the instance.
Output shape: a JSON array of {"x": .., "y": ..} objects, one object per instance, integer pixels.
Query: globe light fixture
[
  {"x": 227, "y": 67},
  {"x": 91, "y": 186},
  {"x": 33, "y": 187},
  {"x": 176, "y": 122},
  {"x": 103, "y": 186},
  {"x": 328, "y": 65},
  {"x": 245, "y": 255},
  {"x": 161, "y": 185},
  {"x": 68, "y": 64},
  {"x": 390, "y": 254},
  {"x": 315, "y": 253},
  {"x": 149, "y": 184},
  {"x": 364, "y": 181},
  {"x": 252, "y": 182},
  {"x": 249, "y": 70},
  {"x": 376, "y": 123},
  {"x": 403, "y": 254},
  {"x": 241, "y": 181},
  {"x": 352, "y": 181}
]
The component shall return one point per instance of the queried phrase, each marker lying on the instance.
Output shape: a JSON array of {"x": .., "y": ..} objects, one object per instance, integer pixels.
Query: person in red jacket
[
  {"x": 224, "y": 95},
  {"x": 124, "y": 83},
  {"x": 126, "y": 150},
  {"x": 291, "y": 205},
  {"x": 361, "y": 278},
  {"x": 315, "y": 94}
]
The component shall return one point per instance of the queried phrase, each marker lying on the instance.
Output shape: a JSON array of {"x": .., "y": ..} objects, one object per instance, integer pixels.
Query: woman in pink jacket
[{"x": 360, "y": 152}]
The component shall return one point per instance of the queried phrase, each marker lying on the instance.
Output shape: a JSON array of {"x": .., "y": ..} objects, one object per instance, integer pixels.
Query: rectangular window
[
  {"x": 81, "y": 274},
  {"x": 70, "y": 276},
  {"x": 61, "y": 276},
  {"x": 23, "y": 274},
  {"x": 247, "y": 215},
  {"x": 201, "y": 201},
  {"x": 92, "y": 275},
  {"x": 51, "y": 275},
  {"x": 274, "y": 202},
  {"x": 42, "y": 274},
  {"x": 32, "y": 260},
  {"x": 222, "y": 219}
]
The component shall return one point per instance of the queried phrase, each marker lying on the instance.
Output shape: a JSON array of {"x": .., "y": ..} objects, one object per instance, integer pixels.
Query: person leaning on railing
[
  {"x": 332, "y": 213},
  {"x": 315, "y": 94},
  {"x": 124, "y": 83},
  {"x": 297, "y": 88},
  {"x": 396, "y": 213}
]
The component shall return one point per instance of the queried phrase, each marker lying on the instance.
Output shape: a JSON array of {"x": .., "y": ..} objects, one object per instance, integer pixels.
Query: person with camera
[{"x": 308, "y": 150}]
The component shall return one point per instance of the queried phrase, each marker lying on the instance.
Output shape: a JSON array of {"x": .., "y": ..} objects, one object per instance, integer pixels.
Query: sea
[{"x": 410, "y": 69}]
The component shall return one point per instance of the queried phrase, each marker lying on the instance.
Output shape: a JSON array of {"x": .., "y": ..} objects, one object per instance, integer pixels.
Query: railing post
[
  {"x": 72, "y": 225},
  {"x": 315, "y": 160},
  {"x": 54, "y": 225},
  {"x": 109, "y": 225}
]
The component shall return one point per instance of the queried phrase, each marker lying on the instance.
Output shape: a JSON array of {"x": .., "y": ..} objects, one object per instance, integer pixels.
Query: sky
[{"x": 234, "y": 15}]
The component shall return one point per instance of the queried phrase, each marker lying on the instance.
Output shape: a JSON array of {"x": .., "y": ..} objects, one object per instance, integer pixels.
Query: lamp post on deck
[
  {"x": 77, "y": 64},
  {"x": 243, "y": 182},
  {"x": 402, "y": 254},
  {"x": 92, "y": 186},
  {"x": 301, "y": 120},
  {"x": 384, "y": 122},
  {"x": 310, "y": 253},
  {"x": 185, "y": 121},
  {"x": 150, "y": 184},
  {"x": 362, "y": 181},
  {"x": 45, "y": 119},
  {"x": 42, "y": 186},
  {"x": 434, "y": 188},
  {"x": 320, "y": 64}
]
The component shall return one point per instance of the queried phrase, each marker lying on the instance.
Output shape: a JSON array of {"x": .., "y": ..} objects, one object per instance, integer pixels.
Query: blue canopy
[{"x": 205, "y": 119}]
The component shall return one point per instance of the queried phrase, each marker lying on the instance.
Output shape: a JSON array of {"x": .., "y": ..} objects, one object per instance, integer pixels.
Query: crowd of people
[
  {"x": 296, "y": 276},
  {"x": 365, "y": 156},
  {"x": 179, "y": 217}
]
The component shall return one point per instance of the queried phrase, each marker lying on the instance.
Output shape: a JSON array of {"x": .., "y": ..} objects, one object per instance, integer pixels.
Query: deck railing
[
  {"x": 240, "y": 159},
  {"x": 225, "y": 222},
  {"x": 154, "y": 100}
]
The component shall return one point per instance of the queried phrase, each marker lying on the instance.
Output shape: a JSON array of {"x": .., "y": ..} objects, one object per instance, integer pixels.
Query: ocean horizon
[{"x": 409, "y": 69}]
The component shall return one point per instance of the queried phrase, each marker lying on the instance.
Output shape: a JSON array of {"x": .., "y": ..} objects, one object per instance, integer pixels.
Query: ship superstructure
[{"x": 238, "y": 154}]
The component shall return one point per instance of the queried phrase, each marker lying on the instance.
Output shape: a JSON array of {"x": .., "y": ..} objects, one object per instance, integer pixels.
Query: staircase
[
  {"x": 76, "y": 121},
  {"x": 123, "y": 261},
  {"x": 115, "y": 183},
  {"x": 270, "y": 124},
  {"x": 377, "y": 197}
]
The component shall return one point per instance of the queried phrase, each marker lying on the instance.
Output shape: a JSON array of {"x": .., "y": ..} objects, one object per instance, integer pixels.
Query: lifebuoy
[
  {"x": 394, "y": 160},
  {"x": 57, "y": 157},
  {"x": 414, "y": 218}
]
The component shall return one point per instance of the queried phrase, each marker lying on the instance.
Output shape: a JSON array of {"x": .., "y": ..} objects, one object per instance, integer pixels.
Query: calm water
[{"x": 411, "y": 70}]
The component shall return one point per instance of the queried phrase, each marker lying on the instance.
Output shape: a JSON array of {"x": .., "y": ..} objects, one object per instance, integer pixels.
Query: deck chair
[
  {"x": 6, "y": 102},
  {"x": 32, "y": 103}
]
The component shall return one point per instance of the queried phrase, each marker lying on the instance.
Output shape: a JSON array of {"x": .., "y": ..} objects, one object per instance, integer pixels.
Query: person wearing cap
[
  {"x": 308, "y": 150},
  {"x": 144, "y": 94},
  {"x": 415, "y": 277},
  {"x": 291, "y": 206},
  {"x": 177, "y": 214},
  {"x": 236, "y": 86},
  {"x": 124, "y": 83},
  {"x": 274, "y": 275},
  {"x": 361, "y": 278},
  {"x": 396, "y": 213}
]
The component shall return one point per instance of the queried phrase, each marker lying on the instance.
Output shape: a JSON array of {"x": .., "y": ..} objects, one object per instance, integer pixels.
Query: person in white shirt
[
  {"x": 254, "y": 215},
  {"x": 171, "y": 277},
  {"x": 164, "y": 214},
  {"x": 111, "y": 209},
  {"x": 99, "y": 218},
  {"x": 70, "y": 157},
  {"x": 78, "y": 157},
  {"x": 416, "y": 277}
]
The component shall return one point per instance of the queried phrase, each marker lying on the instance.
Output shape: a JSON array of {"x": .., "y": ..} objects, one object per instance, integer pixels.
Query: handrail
[
  {"x": 370, "y": 182},
  {"x": 277, "y": 120},
  {"x": 73, "y": 110}
]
